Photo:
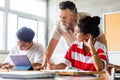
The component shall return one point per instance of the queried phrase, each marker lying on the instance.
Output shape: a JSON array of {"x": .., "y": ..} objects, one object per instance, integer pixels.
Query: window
[
  {"x": 41, "y": 30},
  {"x": 12, "y": 27},
  {"x": 19, "y": 15},
  {"x": 30, "y": 6},
  {"x": 1, "y": 29},
  {"x": 28, "y": 23},
  {"x": 2, "y": 2}
]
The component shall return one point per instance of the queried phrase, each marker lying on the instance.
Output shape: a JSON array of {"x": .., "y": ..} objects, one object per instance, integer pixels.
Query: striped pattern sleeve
[{"x": 78, "y": 59}]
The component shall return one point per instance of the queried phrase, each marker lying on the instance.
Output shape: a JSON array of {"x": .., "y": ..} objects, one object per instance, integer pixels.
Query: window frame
[{"x": 6, "y": 10}]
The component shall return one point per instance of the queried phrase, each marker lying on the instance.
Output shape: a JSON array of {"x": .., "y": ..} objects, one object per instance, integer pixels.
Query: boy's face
[
  {"x": 66, "y": 17},
  {"x": 24, "y": 45}
]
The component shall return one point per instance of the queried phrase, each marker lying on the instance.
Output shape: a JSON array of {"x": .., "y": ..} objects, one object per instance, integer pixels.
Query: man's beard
[{"x": 66, "y": 27}]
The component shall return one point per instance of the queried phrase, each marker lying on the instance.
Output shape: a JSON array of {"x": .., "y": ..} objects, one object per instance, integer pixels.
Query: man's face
[
  {"x": 24, "y": 45},
  {"x": 66, "y": 17}
]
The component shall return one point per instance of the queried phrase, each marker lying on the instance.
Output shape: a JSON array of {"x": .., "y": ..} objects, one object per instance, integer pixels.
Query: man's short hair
[
  {"x": 68, "y": 5},
  {"x": 25, "y": 34}
]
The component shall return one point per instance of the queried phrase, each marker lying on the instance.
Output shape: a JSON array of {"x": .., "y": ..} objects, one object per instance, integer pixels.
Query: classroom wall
[{"x": 94, "y": 7}]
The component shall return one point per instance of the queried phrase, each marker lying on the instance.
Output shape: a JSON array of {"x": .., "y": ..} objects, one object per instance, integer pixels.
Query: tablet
[{"x": 21, "y": 62}]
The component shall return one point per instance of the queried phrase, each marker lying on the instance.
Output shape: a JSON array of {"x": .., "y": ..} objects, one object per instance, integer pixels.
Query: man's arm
[
  {"x": 34, "y": 65},
  {"x": 49, "y": 50},
  {"x": 56, "y": 66}
]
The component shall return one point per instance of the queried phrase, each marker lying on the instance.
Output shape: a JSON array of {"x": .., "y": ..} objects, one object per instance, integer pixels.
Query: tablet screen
[{"x": 20, "y": 60}]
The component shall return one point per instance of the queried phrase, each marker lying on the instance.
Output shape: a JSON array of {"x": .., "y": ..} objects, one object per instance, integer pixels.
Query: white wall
[{"x": 114, "y": 57}]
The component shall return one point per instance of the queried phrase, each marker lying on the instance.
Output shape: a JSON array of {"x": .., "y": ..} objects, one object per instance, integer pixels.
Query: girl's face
[{"x": 80, "y": 35}]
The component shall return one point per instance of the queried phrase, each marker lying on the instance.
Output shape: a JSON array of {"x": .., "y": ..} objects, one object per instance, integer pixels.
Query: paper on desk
[
  {"x": 75, "y": 72},
  {"x": 65, "y": 71},
  {"x": 27, "y": 74},
  {"x": 3, "y": 70}
]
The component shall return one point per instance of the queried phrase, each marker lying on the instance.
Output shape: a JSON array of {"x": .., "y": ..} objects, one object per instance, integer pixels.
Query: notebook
[{"x": 21, "y": 62}]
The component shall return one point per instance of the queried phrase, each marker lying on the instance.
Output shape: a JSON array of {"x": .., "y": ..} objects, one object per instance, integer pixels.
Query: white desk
[
  {"x": 63, "y": 78},
  {"x": 59, "y": 77}
]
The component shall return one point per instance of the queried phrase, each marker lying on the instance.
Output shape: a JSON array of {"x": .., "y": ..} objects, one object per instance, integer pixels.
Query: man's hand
[{"x": 50, "y": 66}]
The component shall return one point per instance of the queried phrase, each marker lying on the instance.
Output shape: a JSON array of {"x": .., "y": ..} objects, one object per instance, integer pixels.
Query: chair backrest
[{"x": 111, "y": 75}]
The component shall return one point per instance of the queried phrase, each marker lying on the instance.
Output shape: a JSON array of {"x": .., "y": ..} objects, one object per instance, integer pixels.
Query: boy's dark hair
[
  {"x": 68, "y": 5},
  {"x": 25, "y": 34},
  {"x": 89, "y": 25}
]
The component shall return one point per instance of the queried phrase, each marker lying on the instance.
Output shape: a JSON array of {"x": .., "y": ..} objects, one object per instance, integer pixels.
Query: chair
[
  {"x": 111, "y": 75},
  {"x": 117, "y": 73}
]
